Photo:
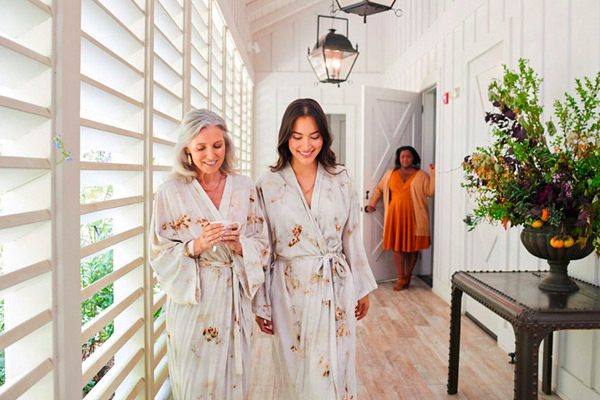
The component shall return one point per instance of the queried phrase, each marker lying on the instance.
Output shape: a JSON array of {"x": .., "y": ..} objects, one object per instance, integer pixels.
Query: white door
[{"x": 391, "y": 118}]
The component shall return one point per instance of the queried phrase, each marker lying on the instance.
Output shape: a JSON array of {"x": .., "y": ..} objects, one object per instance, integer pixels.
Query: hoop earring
[{"x": 189, "y": 157}]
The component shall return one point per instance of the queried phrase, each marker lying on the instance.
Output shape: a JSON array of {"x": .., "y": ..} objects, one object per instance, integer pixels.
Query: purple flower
[
  {"x": 544, "y": 195},
  {"x": 536, "y": 211},
  {"x": 566, "y": 190},
  {"x": 556, "y": 178}
]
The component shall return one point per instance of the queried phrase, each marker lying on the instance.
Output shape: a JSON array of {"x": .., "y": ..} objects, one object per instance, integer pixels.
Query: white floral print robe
[
  {"x": 209, "y": 301},
  {"x": 318, "y": 272}
]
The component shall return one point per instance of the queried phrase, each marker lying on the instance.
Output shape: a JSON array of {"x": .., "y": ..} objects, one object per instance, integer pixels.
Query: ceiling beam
[{"x": 281, "y": 14}]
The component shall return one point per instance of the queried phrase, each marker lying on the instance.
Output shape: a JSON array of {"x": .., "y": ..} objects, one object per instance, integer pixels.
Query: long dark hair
[
  {"x": 300, "y": 108},
  {"x": 416, "y": 158}
]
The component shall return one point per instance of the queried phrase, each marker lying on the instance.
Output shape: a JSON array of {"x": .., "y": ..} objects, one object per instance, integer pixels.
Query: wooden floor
[{"x": 403, "y": 353}]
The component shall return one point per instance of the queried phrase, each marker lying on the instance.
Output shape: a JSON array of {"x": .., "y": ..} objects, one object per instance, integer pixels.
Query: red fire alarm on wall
[
  {"x": 446, "y": 97},
  {"x": 452, "y": 94}
]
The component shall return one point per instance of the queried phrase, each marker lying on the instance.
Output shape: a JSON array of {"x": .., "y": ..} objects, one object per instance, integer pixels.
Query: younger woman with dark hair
[
  {"x": 406, "y": 216},
  {"x": 317, "y": 285}
]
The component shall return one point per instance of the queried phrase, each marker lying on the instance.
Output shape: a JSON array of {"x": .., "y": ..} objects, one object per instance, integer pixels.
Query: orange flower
[{"x": 545, "y": 215}]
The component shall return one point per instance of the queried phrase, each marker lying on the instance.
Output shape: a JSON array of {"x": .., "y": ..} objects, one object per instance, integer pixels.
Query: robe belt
[
  {"x": 336, "y": 260},
  {"x": 215, "y": 264},
  {"x": 330, "y": 264},
  {"x": 237, "y": 327}
]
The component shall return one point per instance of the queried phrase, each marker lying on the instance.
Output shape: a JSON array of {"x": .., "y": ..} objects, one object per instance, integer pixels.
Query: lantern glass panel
[
  {"x": 339, "y": 63},
  {"x": 317, "y": 61}
]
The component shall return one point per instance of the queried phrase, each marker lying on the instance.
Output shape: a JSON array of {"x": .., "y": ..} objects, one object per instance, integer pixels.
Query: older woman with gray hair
[{"x": 209, "y": 244}]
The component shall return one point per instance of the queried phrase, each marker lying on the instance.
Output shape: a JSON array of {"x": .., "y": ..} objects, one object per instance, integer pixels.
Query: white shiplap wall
[{"x": 433, "y": 43}]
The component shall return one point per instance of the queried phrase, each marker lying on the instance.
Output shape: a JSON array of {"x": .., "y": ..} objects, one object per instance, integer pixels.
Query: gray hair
[{"x": 193, "y": 122}]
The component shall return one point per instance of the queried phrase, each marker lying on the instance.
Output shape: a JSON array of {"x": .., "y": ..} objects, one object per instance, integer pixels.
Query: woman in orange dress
[{"x": 406, "y": 216}]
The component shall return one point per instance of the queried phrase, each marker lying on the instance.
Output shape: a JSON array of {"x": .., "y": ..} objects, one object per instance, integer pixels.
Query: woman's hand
[
  {"x": 362, "y": 307},
  {"x": 370, "y": 209},
  {"x": 431, "y": 168},
  {"x": 231, "y": 238},
  {"x": 211, "y": 235},
  {"x": 265, "y": 325}
]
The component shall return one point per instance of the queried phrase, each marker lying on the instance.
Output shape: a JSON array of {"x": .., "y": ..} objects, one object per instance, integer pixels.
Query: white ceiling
[{"x": 263, "y": 13}]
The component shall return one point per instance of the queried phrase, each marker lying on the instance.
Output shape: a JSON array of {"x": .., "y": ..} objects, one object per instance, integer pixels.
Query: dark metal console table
[{"x": 534, "y": 315}]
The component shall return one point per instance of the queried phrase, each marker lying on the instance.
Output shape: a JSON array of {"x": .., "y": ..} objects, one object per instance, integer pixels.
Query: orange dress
[{"x": 399, "y": 233}]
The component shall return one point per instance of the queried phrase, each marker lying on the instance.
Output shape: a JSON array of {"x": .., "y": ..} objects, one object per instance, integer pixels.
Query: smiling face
[
  {"x": 406, "y": 159},
  {"x": 208, "y": 150},
  {"x": 306, "y": 141}
]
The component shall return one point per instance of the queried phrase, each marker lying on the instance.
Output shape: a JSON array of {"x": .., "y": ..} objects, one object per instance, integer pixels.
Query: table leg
[
  {"x": 547, "y": 365},
  {"x": 526, "y": 369},
  {"x": 454, "y": 340}
]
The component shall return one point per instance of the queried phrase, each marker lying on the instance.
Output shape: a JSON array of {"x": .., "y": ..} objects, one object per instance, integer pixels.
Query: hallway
[
  {"x": 403, "y": 353},
  {"x": 93, "y": 95}
]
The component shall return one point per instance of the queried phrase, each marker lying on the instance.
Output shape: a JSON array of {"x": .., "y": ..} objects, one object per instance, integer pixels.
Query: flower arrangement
[{"x": 533, "y": 173}]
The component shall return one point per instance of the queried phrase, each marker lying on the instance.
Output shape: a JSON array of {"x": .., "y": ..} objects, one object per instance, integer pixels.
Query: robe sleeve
[
  {"x": 255, "y": 248},
  {"x": 177, "y": 274},
  {"x": 354, "y": 250},
  {"x": 261, "y": 304}
]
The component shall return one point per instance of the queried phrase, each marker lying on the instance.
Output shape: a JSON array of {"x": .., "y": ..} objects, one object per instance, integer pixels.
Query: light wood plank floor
[{"x": 403, "y": 353}]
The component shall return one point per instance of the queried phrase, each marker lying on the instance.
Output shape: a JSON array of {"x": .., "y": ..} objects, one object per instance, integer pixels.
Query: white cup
[{"x": 226, "y": 224}]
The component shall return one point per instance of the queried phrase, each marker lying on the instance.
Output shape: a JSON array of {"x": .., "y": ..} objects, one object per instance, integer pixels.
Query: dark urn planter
[{"x": 537, "y": 242}]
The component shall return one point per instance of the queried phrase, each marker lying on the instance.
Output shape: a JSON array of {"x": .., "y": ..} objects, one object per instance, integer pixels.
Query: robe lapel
[
  {"x": 214, "y": 214},
  {"x": 226, "y": 198},
  {"x": 311, "y": 212}
]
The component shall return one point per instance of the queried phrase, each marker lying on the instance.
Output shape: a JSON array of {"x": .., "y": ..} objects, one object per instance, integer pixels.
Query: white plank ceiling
[{"x": 263, "y": 13}]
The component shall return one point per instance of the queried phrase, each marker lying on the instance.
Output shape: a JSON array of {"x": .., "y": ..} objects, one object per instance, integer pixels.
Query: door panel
[{"x": 392, "y": 118}]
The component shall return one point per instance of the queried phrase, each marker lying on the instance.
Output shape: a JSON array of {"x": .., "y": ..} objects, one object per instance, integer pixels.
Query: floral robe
[
  {"x": 209, "y": 300},
  {"x": 318, "y": 272}
]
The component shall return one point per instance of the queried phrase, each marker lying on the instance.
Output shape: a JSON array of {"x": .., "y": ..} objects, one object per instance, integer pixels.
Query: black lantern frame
[
  {"x": 333, "y": 57},
  {"x": 365, "y": 7}
]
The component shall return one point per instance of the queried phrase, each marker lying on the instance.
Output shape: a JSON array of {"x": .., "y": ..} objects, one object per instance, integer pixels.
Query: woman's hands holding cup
[
  {"x": 226, "y": 232},
  {"x": 211, "y": 235},
  {"x": 231, "y": 238}
]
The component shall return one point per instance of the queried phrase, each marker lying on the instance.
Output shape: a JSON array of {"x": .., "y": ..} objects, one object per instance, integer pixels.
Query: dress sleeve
[
  {"x": 255, "y": 248},
  {"x": 177, "y": 273},
  {"x": 354, "y": 250},
  {"x": 261, "y": 304}
]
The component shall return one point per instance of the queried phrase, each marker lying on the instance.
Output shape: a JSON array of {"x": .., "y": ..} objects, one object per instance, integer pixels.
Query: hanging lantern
[
  {"x": 333, "y": 56},
  {"x": 365, "y": 7}
]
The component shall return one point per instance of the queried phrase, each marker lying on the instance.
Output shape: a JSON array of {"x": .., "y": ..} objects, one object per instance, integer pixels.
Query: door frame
[
  {"x": 428, "y": 89},
  {"x": 351, "y": 135}
]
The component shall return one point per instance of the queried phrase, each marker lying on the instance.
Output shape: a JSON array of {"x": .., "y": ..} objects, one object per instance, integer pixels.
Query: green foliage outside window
[{"x": 91, "y": 270}]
